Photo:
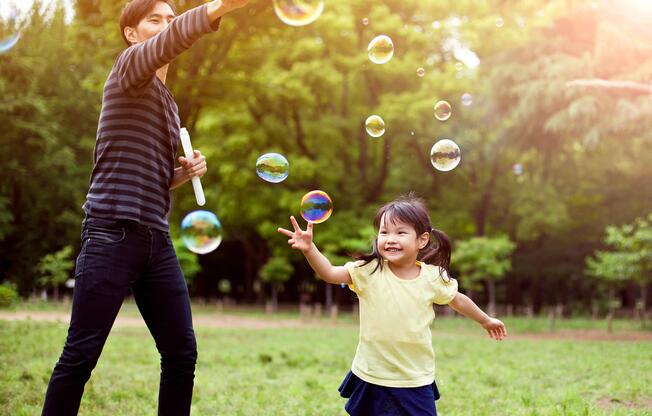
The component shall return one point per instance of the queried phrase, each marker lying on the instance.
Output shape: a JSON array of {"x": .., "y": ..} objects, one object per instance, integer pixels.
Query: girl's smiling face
[{"x": 398, "y": 241}]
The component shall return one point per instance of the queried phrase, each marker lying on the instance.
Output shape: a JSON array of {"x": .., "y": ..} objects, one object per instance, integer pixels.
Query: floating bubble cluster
[
  {"x": 201, "y": 231},
  {"x": 375, "y": 126},
  {"x": 316, "y": 207},
  {"x": 381, "y": 49},
  {"x": 445, "y": 155},
  {"x": 272, "y": 167},
  {"x": 298, "y": 12}
]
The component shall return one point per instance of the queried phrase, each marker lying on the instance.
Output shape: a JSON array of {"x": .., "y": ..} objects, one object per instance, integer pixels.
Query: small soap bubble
[
  {"x": 500, "y": 22},
  {"x": 272, "y": 167},
  {"x": 375, "y": 126},
  {"x": 201, "y": 231},
  {"x": 381, "y": 49},
  {"x": 445, "y": 155},
  {"x": 365, "y": 21},
  {"x": 298, "y": 12},
  {"x": 316, "y": 206},
  {"x": 443, "y": 110},
  {"x": 467, "y": 99},
  {"x": 517, "y": 169},
  {"x": 421, "y": 72}
]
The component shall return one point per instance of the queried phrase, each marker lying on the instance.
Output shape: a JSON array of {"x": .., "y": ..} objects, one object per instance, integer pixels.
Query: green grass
[{"x": 297, "y": 372}]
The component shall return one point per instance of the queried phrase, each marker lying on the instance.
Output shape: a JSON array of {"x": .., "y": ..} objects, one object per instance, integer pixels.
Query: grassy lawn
[{"x": 297, "y": 372}]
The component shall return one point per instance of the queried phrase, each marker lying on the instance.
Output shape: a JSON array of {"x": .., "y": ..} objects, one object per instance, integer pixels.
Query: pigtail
[{"x": 438, "y": 251}]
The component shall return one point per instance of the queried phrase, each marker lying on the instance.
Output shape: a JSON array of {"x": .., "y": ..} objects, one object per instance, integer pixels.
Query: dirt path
[
  {"x": 234, "y": 321},
  {"x": 209, "y": 321}
]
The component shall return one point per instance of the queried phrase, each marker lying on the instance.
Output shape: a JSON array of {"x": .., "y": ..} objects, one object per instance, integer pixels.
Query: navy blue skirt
[{"x": 367, "y": 399}]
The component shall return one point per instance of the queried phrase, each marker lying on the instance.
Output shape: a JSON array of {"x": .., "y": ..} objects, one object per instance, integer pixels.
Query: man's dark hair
[{"x": 135, "y": 11}]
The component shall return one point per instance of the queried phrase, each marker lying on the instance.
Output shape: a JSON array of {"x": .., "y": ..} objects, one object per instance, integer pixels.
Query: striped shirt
[{"x": 138, "y": 131}]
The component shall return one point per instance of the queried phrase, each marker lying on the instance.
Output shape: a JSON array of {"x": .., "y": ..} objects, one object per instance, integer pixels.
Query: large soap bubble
[
  {"x": 201, "y": 231},
  {"x": 316, "y": 206},
  {"x": 298, "y": 12},
  {"x": 380, "y": 49},
  {"x": 272, "y": 167},
  {"x": 445, "y": 155}
]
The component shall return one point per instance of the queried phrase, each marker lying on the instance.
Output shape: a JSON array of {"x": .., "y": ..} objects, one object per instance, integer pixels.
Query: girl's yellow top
[{"x": 395, "y": 347}]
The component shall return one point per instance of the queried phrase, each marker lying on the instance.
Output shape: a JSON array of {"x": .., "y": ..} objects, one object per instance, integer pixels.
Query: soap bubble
[
  {"x": 381, "y": 49},
  {"x": 517, "y": 169},
  {"x": 298, "y": 12},
  {"x": 316, "y": 207},
  {"x": 500, "y": 22},
  {"x": 9, "y": 32},
  {"x": 375, "y": 126},
  {"x": 272, "y": 167},
  {"x": 445, "y": 155},
  {"x": 443, "y": 110},
  {"x": 201, "y": 231},
  {"x": 467, "y": 99},
  {"x": 365, "y": 21},
  {"x": 421, "y": 72}
]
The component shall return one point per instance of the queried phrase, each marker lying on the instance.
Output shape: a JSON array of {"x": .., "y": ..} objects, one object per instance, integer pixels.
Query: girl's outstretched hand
[
  {"x": 299, "y": 239},
  {"x": 495, "y": 328}
]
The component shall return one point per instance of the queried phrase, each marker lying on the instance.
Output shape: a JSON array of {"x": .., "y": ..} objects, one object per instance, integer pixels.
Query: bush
[{"x": 8, "y": 295}]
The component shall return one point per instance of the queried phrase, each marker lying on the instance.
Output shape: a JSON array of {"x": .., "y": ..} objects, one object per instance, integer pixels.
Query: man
[{"x": 125, "y": 240}]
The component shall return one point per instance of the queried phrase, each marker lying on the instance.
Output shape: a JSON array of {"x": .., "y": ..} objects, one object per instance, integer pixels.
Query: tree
[
  {"x": 630, "y": 259},
  {"x": 54, "y": 269},
  {"x": 484, "y": 259},
  {"x": 276, "y": 271}
]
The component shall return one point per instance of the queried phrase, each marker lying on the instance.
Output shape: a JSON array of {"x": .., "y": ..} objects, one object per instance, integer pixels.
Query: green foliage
[
  {"x": 258, "y": 85},
  {"x": 8, "y": 295},
  {"x": 187, "y": 259},
  {"x": 276, "y": 270},
  {"x": 631, "y": 257},
  {"x": 483, "y": 258},
  {"x": 54, "y": 268}
]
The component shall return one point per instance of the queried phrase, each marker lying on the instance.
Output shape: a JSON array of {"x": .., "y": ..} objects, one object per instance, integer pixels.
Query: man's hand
[
  {"x": 195, "y": 166},
  {"x": 234, "y": 4},
  {"x": 218, "y": 8}
]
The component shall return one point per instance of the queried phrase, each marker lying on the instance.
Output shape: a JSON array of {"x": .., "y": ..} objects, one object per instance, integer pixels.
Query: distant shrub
[{"x": 8, "y": 295}]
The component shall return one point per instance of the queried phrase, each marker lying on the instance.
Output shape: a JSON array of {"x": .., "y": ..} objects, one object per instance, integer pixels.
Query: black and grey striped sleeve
[{"x": 137, "y": 65}]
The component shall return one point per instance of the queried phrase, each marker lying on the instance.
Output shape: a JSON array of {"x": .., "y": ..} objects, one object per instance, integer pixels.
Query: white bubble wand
[{"x": 196, "y": 182}]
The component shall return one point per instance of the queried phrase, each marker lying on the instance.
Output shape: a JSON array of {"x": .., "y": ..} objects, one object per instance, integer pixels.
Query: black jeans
[{"x": 116, "y": 257}]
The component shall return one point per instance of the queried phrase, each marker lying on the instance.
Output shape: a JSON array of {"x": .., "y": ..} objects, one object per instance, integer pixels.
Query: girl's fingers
[
  {"x": 295, "y": 224},
  {"x": 309, "y": 228},
  {"x": 285, "y": 232}
]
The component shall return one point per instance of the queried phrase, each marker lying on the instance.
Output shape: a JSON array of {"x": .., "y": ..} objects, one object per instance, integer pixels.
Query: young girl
[{"x": 393, "y": 372}]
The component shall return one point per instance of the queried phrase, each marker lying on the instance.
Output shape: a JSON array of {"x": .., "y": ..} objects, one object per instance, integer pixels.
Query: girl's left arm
[{"x": 464, "y": 305}]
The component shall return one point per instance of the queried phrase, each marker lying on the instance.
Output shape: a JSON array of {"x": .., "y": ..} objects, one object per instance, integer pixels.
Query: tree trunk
[
  {"x": 491, "y": 307},
  {"x": 329, "y": 295},
  {"x": 274, "y": 297},
  {"x": 610, "y": 316}
]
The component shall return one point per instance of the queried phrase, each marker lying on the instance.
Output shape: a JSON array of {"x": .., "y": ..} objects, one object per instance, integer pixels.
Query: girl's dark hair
[
  {"x": 410, "y": 209},
  {"x": 135, "y": 11}
]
